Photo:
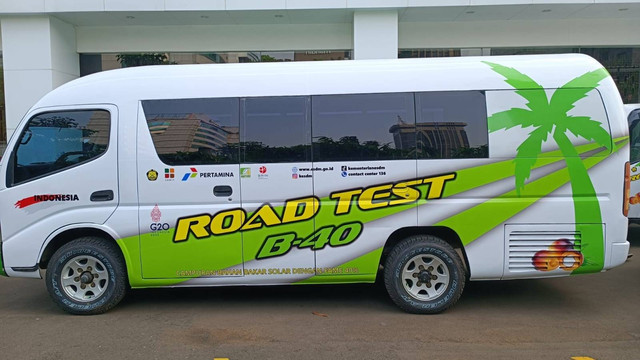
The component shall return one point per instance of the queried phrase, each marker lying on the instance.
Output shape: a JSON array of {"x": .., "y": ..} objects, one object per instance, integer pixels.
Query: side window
[
  {"x": 275, "y": 129},
  {"x": 451, "y": 125},
  {"x": 54, "y": 141},
  {"x": 194, "y": 131},
  {"x": 634, "y": 133},
  {"x": 363, "y": 127}
]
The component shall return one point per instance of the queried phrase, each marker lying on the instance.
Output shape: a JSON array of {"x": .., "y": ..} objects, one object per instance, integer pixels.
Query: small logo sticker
[
  {"x": 190, "y": 175},
  {"x": 263, "y": 172},
  {"x": 245, "y": 172},
  {"x": 152, "y": 175},
  {"x": 157, "y": 227},
  {"x": 156, "y": 214},
  {"x": 169, "y": 173}
]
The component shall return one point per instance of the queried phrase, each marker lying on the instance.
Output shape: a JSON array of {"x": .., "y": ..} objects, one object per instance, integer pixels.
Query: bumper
[{"x": 619, "y": 254}]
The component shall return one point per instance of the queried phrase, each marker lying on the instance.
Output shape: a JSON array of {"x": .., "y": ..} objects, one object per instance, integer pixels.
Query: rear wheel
[
  {"x": 424, "y": 275},
  {"x": 87, "y": 276}
]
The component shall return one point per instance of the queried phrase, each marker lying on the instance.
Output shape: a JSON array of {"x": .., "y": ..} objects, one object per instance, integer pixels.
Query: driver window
[{"x": 54, "y": 141}]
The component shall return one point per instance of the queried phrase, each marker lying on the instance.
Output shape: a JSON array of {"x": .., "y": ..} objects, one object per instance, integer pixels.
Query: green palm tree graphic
[{"x": 549, "y": 117}]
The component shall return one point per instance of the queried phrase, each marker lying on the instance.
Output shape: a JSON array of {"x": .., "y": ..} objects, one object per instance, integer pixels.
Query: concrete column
[
  {"x": 375, "y": 34},
  {"x": 39, "y": 54}
]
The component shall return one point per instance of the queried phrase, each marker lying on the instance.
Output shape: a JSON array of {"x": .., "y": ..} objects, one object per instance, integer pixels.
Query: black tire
[
  {"x": 404, "y": 254},
  {"x": 109, "y": 261}
]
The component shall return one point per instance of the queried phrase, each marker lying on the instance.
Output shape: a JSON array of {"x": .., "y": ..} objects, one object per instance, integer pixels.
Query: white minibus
[{"x": 426, "y": 172}]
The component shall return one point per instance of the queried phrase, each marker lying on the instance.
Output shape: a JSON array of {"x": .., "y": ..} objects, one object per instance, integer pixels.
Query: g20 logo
[{"x": 159, "y": 226}]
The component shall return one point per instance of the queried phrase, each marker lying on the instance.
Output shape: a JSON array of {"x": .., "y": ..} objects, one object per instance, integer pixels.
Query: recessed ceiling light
[
  {"x": 546, "y": 10},
  {"x": 130, "y": 17},
  {"x": 470, "y": 12},
  {"x": 279, "y": 16},
  {"x": 623, "y": 9}
]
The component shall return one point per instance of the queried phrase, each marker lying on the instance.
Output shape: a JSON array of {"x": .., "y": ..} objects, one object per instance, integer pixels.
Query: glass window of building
[
  {"x": 275, "y": 129},
  {"x": 451, "y": 125},
  {"x": 194, "y": 131},
  {"x": 622, "y": 63},
  {"x": 428, "y": 53},
  {"x": 91, "y": 63},
  {"x": 363, "y": 127}
]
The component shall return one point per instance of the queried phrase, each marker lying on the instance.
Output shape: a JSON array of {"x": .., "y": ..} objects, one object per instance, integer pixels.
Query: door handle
[
  {"x": 222, "y": 190},
  {"x": 102, "y": 195}
]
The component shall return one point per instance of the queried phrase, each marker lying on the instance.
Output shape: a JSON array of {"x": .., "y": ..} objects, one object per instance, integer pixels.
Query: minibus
[{"x": 426, "y": 172}]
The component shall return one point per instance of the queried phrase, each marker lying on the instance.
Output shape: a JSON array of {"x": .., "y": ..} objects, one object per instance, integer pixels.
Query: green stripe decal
[
  {"x": 494, "y": 212},
  {"x": 363, "y": 262},
  {"x": 162, "y": 255}
]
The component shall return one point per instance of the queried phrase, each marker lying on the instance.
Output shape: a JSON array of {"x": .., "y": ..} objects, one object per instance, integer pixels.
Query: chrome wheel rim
[
  {"x": 425, "y": 277},
  {"x": 84, "y": 278}
]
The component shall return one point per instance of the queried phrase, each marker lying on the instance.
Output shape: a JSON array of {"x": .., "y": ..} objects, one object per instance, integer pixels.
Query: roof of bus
[{"x": 309, "y": 78}]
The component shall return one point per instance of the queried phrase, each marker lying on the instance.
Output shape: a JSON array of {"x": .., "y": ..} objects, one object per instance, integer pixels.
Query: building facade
[{"x": 46, "y": 43}]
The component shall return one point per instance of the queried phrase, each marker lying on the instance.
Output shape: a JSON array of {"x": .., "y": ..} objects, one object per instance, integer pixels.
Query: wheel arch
[
  {"x": 66, "y": 235},
  {"x": 445, "y": 233}
]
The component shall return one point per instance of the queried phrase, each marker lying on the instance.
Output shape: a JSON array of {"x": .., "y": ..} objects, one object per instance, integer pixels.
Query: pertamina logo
[
  {"x": 190, "y": 175},
  {"x": 195, "y": 174}
]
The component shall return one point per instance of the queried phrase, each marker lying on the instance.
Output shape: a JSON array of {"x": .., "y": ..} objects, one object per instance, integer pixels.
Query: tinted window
[
  {"x": 194, "y": 131},
  {"x": 275, "y": 129},
  {"x": 58, "y": 140},
  {"x": 451, "y": 125},
  {"x": 634, "y": 133},
  {"x": 363, "y": 127}
]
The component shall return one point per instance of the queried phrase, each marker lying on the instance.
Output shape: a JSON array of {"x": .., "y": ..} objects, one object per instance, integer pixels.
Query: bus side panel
[{"x": 553, "y": 208}]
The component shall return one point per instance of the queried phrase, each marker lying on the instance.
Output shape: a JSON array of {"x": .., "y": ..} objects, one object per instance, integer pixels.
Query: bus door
[{"x": 189, "y": 188}]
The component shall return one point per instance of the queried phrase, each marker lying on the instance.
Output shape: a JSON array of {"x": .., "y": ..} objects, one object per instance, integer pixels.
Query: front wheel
[
  {"x": 424, "y": 275},
  {"x": 87, "y": 276}
]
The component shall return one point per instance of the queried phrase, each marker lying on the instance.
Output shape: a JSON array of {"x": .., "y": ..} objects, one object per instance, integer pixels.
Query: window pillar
[{"x": 375, "y": 34}]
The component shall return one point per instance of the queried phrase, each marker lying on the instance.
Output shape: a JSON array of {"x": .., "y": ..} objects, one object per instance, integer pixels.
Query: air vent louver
[{"x": 531, "y": 251}]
